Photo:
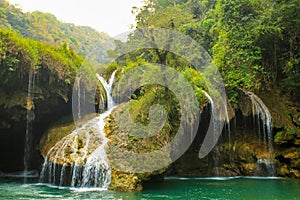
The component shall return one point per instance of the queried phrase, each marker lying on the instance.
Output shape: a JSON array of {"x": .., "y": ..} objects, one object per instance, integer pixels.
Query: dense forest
[
  {"x": 45, "y": 27},
  {"x": 255, "y": 45}
]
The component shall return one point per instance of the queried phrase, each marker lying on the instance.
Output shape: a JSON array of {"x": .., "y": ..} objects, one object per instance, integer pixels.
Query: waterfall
[
  {"x": 89, "y": 167},
  {"x": 101, "y": 107},
  {"x": 97, "y": 165},
  {"x": 227, "y": 120},
  {"x": 260, "y": 113},
  {"x": 79, "y": 100},
  {"x": 107, "y": 87},
  {"x": 216, "y": 155},
  {"x": 228, "y": 129},
  {"x": 265, "y": 167},
  {"x": 217, "y": 127},
  {"x": 29, "y": 121},
  {"x": 213, "y": 113}
]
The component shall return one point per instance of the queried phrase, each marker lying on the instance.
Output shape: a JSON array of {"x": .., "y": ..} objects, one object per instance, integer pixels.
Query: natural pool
[{"x": 171, "y": 188}]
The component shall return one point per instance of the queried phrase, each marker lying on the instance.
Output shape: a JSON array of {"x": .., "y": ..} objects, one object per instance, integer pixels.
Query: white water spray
[
  {"x": 108, "y": 89},
  {"x": 213, "y": 118},
  {"x": 87, "y": 169},
  {"x": 29, "y": 120},
  {"x": 260, "y": 112}
]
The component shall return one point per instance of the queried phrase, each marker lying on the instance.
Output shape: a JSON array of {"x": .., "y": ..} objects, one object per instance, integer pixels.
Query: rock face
[
  {"x": 286, "y": 121},
  {"x": 72, "y": 149},
  {"x": 36, "y": 83},
  {"x": 239, "y": 153},
  {"x": 76, "y": 148},
  {"x": 122, "y": 140},
  {"x": 239, "y": 157},
  {"x": 288, "y": 153}
]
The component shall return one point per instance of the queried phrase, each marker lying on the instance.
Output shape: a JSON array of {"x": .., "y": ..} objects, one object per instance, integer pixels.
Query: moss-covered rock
[
  {"x": 67, "y": 149},
  {"x": 36, "y": 87},
  {"x": 287, "y": 138},
  {"x": 243, "y": 155},
  {"x": 54, "y": 135},
  {"x": 289, "y": 153},
  {"x": 122, "y": 140},
  {"x": 239, "y": 158},
  {"x": 125, "y": 182},
  {"x": 286, "y": 129},
  {"x": 289, "y": 162}
]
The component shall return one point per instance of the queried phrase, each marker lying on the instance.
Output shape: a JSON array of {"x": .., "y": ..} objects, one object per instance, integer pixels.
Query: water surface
[{"x": 171, "y": 188}]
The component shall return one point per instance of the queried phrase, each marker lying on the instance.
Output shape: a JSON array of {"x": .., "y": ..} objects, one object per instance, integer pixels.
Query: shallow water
[{"x": 171, "y": 188}]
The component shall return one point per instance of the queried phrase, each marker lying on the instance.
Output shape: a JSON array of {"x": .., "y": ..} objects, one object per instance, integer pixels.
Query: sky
[{"x": 110, "y": 16}]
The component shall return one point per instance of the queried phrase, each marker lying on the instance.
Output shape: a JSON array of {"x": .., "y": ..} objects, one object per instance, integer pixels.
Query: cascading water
[
  {"x": 216, "y": 155},
  {"x": 101, "y": 107},
  {"x": 96, "y": 167},
  {"x": 261, "y": 113},
  {"x": 217, "y": 127},
  {"x": 29, "y": 120},
  {"x": 77, "y": 164},
  {"x": 97, "y": 170},
  {"x": 213, "y": 109},
  {"x": 79, "y": 100},
  {"x": 228, "y": 131},
  {"x": 107, "y": 88}
]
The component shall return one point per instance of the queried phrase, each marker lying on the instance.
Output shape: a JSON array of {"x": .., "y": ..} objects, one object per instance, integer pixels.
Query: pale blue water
[{"x": 171, "y": 188}]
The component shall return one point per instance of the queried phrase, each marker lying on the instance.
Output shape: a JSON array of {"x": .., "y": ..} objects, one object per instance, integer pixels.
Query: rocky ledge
[{"x": 64, "y": 145}]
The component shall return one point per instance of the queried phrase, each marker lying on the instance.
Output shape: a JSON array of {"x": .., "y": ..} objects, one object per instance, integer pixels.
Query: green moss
[
  {"x": 290, "y": 132},
  {"x": 281, "y": 109},
  {"x": 127, "y": 139},
  {"x": 127, "y": 182},
  {"x": 278, "y": 134},
  {"x": 285, "y": 132}
]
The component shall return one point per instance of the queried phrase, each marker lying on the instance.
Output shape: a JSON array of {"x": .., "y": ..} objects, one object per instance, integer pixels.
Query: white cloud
[{"x": 110, "y": 16}]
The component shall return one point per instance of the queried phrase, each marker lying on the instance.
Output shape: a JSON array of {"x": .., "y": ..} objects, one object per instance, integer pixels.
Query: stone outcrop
[
  {"x": 288, "y": 153},
  {"x": 68, "y": 149},
  {"x": 241, "y": 154},
  {"x": 244, "y": 155}
]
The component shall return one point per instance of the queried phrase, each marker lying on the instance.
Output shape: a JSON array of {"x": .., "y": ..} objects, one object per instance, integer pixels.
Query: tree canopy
[
  {"x": 255, "y": 44},
  {"x": 45, "y": 27}
]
